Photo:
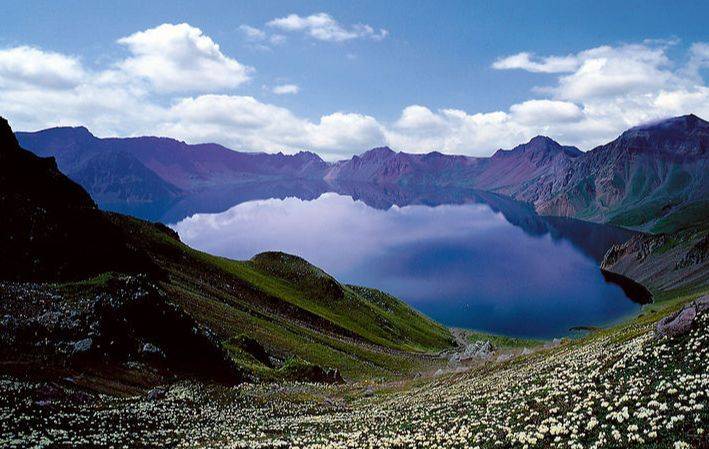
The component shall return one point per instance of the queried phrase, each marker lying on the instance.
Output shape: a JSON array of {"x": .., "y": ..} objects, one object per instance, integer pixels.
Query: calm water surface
[{"x": 483, "y": 263}]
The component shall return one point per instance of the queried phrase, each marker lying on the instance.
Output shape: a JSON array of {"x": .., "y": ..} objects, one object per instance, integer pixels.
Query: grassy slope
[
  {"x": 595, "y": 379},
  {"x": 502, "y": 341},
  {"x": 362, "y": 332}
]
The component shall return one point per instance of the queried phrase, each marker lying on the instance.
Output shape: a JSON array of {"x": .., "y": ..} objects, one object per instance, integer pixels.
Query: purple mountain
[
  {"x": 651, "y": 177},
  {"x": 151, "y": 170},
  {"x": 383, "y": 165}
]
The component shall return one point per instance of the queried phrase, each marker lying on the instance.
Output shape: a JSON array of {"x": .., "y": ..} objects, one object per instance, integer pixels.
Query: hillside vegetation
[
  {"x": 121, "y": 303},
  {"x": 291, "y": 308},
  {"x": 617, "y": 388}
]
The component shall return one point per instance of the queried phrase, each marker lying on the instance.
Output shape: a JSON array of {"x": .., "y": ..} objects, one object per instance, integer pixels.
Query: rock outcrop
[
  {"x": 125, "y": 320},
  {"x": 662, "y": 262},
  {"x": 680, "y": 323}
]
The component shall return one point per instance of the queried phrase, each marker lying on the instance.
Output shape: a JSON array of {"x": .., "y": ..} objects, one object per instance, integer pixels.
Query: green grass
[
  {"x": 294, "y": 310},
  {"x": 692, "y": 215},
  {"x": 501, "y": 341}
]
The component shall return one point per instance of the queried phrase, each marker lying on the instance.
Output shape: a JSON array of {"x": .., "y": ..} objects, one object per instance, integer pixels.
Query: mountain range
[{"x": 652, "y": 177}]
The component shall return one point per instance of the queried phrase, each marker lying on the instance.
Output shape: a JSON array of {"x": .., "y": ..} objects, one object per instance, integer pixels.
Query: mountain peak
[
  {"x": 7, "y": 137},
  {"x": 378, "y": 153},
  {"x": 542, "y": 140},
  {"x": 539, "y": 145},
  {"x": 75, "y": 133},
  {"x": 308, "y": 155},
  {"x": 682, "y": 135},
  {"x": 680, "y": 123}
]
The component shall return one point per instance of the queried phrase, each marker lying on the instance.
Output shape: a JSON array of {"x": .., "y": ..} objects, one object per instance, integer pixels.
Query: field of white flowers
[{"x": 618, "y": 389}]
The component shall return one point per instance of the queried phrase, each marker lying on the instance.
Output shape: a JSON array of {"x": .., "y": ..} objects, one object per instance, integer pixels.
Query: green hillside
[{"x": 296, "y": 312}]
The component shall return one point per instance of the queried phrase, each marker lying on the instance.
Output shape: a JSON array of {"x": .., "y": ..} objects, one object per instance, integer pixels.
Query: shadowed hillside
[{"x": 131, "y": 306}]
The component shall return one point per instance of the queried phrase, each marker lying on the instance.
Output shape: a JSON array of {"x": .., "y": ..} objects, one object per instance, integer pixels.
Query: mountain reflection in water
[{"x": 466, "y": 258}]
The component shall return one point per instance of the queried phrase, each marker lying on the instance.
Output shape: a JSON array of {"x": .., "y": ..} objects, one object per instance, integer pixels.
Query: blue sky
[{"x": 338, "y": 77}]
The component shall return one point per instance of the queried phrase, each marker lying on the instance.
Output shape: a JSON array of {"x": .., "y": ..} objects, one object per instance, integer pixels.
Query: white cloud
[
  {"x": 181, "y": 58},
  {"x": 611, "y": 89},
  {"x": 260, "y": 39},
  {"x": 284, "y": 89},
  {"x": 540, "y": 112},
  {"x": 253, "y": 33},
  {"x": 28, "y": 66},
  {"x": 549, "y": 64},
  {"x": 324, "y": 27},
  {"x": 243, "y": 122},
  {"x": 699, "y": 59},
  {"x": 340, "y": 133},
  {"x": 419, "y": 129},
  {"x": 611, "y": 71}
]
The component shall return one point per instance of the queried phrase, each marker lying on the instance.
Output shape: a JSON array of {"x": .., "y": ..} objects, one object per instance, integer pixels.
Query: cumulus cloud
[
  {"x": 610, "y": 89},
  {"x": 243, "y": 122},
  {"x": 181, "y": 58},
  {"x": 539, "y": 112},
  {"x": 611, "y": 71},
  {"x": 285, "y": 89},
  {"x": 324, "y": 27},
  {"x": 28, "y": 66}
]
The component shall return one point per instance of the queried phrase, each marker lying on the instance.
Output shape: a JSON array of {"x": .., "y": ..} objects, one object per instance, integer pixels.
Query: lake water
[{"x": 466, "y": 259}]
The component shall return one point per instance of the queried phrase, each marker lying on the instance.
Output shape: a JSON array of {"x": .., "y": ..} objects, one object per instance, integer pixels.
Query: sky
[{"x": 338, "y": 78}]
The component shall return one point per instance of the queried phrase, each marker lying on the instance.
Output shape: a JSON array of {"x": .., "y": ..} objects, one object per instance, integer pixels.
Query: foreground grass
[{"x": 616, "y": 388}]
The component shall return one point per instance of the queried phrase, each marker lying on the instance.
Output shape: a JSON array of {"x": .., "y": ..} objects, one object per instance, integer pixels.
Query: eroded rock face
[
  {"x": 702, "y": 304},
  {"x": 480, "y": 350},
  {"x": 661, "y": 262}
]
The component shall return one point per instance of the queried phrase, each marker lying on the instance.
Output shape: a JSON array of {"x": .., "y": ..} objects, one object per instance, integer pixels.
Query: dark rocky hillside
[
  {"x": 50, "y": 228},
  {"x": 130, "y": 306},
  {"x": 650, "y": 177}
]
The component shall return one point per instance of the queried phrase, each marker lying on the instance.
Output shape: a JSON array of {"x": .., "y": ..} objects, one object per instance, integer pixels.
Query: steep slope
[
  {"x": 521, "y": 169},
  {"x": 648, "y": 176},
  {"x": 117, "y": 178},
  {"x": 663, "y": 262},
  {"x": 50, "y": 228},
  {"x": 291, "y": 308},
  {"x": 273, "y": 317}
]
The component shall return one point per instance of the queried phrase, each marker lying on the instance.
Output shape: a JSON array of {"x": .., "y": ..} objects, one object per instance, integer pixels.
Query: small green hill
[{"x": 290, "y": 308}]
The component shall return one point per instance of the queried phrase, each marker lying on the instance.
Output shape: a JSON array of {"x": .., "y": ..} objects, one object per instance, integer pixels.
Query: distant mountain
[
  {"x": 121, "y": 173},
  {"x": 513, "y": 171},
  {"x": 652, "y": 177},
  {"x": 384, "y": 166}
]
